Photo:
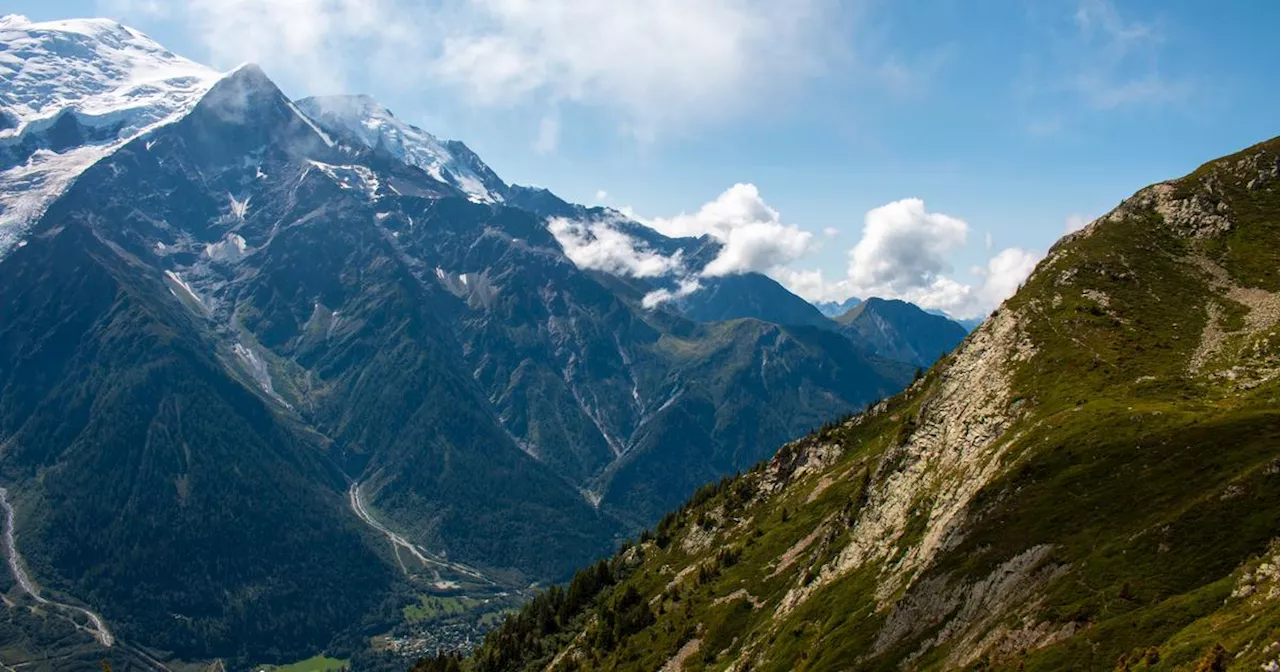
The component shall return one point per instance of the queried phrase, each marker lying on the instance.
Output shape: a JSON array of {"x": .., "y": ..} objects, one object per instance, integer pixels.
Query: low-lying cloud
[{"x": 601, "y": 247}]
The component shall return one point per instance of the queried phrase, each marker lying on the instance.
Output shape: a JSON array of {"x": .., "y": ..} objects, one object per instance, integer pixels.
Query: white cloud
[
  {"x": 653, "y": 63},
  {"x": 1004, "y": 274},
  {"x": 599, "y": 246},
  {"x": 905, "y": 253},
  {"x": 989, "y": 241},
  {"x": 307, "y": 39},
  {"x": 1075, "y": 222},
  {"x": 904, "y": 247},
  {"x": 601, "y": 195},
  {"x": 752, "y": 232},
  {"x": 752, "y": 236},
  {"x": 831, "y": 232},
  {"x": 684, "y": 287}
]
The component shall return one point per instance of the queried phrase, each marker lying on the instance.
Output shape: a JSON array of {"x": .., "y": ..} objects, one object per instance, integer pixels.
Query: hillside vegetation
[{"x": 1091, "y": 481}]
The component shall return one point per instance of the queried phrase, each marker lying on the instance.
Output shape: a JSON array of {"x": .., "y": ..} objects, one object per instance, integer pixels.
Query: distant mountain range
[
  {"x": 837, "y": 308},
  {"x": 273, "y": 372}
]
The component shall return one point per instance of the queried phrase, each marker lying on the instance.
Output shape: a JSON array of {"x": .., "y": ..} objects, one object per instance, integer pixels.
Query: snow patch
[
  {"x": 353, "y": 177},
  {"x": 239, "y": 208},
  {"x": 186, "y": 288},
  {"x": 307, "y": 120},
  {"x": 230, "y": 249},
  {"x": 104, "y": 77},
  {"x": 374, "y": 126}
]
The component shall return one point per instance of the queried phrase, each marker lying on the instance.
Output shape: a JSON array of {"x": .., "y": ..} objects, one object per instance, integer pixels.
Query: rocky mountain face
[
  {"x": 1090, "y": 481},
  {"x": 270, "y": 375}
]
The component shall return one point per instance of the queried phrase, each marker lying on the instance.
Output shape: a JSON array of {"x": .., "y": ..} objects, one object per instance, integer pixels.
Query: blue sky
[{"x": 1010, "y": 118}]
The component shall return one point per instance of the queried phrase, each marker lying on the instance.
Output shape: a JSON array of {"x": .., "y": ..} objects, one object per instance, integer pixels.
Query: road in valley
[
  {"x": 427, "y": 558},
  {"x": 96, "y": 627}
]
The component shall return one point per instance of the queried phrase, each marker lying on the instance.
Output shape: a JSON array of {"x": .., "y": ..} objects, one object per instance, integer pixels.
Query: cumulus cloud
[
  {"x": 599, "y": 246},
  {"x": 904, "y": 253},
  {"x": 904, "y": 246},
  {"x": 831, "y": 232},
  {"x": 752, "y": 233},
  {"x": 601, "y": 195},
  {"x": 1003, "y": 275},
  {"x": 655, "y": 63}
]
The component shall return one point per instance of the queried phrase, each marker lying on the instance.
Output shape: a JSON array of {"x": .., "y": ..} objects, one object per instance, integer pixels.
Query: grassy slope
[{"x": 1155, "y": 488}]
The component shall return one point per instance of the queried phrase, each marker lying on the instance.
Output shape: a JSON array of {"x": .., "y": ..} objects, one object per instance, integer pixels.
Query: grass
[
  {"x": 319, "y": 663},
  {"x": 430, "y": 607}
]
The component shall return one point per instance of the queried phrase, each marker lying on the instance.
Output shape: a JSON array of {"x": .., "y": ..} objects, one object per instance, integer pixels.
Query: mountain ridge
[{"x": 1088, "y": 482}]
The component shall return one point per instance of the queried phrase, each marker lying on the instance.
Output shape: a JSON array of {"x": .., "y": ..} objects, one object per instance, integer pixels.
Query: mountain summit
[{"x": 74, "y": 92}]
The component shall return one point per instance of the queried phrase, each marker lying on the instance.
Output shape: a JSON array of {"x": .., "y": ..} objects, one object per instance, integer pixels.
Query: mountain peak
[
  {"x": 74, "y": 91},
  {"x": 97, "y": 66},
  {"x": 363, "y": 120}
]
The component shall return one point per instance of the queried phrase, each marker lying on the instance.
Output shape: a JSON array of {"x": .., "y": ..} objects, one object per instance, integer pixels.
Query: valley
[
  {"x": 288, "y": 382},
  {"x": 372, "y": 374}
]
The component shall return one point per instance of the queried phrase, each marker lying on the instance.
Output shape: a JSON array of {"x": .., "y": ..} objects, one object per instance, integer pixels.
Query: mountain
[
  {"x": 750, "y": 295},
  {"x": 74, "y": 92},
  {"x": 902, "y": 332},
  {"x": 363, "y": 121},
  {"x": 837, "y": 308},
  {"x": 272, "y": 384},
  {"x": 1090, "y": 481}
]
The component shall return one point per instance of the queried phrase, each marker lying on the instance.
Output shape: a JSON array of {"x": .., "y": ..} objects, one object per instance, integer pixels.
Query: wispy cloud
[
  {"x": 1075, "y": 222},
  {"x": 654, "y": 64},
  {"x": 1096, "y": 59}
]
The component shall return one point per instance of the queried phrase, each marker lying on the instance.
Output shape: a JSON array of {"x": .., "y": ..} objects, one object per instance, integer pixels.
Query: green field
[
  {"x": 313, "y": 664},
  {"x": 430, "y": 607}
]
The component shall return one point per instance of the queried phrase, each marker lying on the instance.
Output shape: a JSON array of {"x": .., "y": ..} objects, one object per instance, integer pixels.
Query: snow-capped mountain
[
  {"x": 365, "y": 120},
  {"x": 74, "y": 91}
]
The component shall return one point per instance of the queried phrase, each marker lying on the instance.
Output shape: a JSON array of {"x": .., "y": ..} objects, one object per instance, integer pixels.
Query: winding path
[
  {"x": 98, "y": 628},
  {"x": 424, "y": 556}
]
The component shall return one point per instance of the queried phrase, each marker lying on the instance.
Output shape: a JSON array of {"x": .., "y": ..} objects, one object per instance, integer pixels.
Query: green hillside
[{"x": 1091, "y": 481}]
